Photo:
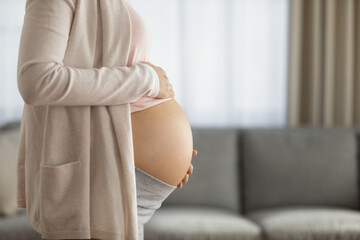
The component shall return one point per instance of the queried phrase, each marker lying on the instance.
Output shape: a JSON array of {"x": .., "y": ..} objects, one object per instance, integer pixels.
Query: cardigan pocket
[{"x": 64, "y": 194}]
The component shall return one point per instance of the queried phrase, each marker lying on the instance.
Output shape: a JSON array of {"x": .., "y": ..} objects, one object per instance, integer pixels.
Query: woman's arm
[{"x": 44, "y": 80}]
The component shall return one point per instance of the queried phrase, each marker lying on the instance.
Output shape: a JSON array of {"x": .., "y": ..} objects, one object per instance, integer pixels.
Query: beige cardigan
[{"x": 76, "y": 171}]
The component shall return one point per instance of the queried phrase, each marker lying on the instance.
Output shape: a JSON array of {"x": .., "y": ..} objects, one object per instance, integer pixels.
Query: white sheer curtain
[
  {"x": 227, "y": 59},
  {"x": 11, "y": 20}
]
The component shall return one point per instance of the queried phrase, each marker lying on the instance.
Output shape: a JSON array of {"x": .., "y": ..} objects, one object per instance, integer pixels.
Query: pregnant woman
[
  {"x": 161, "y": 134},
  {"x": 103, "y": 142}
]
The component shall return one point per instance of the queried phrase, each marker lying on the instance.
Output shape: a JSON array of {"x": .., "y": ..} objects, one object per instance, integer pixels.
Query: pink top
[{"x": 139, "y": 51}]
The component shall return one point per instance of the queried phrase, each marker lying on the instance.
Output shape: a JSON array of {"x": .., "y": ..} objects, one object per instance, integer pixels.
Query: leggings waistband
[{"x": 152, "y": 183}]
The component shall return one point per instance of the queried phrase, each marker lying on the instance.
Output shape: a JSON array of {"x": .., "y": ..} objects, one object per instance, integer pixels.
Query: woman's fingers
[
  {"x": 191, "y": 169},
  {"x": 189, "y": 172},
  {"x": 172, "y": 93},
  {"x": 186, "y": 178}
]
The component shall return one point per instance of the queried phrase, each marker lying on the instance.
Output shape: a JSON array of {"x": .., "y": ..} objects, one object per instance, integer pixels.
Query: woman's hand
[
  {"x": 166, "y": 89},
  {"x": 190, "y": 171}
]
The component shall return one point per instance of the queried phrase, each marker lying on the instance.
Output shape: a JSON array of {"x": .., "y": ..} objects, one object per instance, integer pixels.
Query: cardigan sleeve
[{"x": 43, "y": 79}]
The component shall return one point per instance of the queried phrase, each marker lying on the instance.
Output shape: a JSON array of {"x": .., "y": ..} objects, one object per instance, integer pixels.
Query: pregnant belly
[{"x": 163, "y": 142}]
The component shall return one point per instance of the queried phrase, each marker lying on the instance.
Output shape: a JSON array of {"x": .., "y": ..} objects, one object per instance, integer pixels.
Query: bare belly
[{"x": 163, "y": 142}]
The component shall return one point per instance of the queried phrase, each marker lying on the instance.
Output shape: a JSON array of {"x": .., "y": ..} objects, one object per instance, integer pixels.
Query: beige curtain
[{"x": 324, "y": 77}]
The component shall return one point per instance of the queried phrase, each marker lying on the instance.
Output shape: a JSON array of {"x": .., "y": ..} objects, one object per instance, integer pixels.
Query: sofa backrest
[
  {"x": 302, "y": 166},
  {"x": 215, "y": 179},
  {"x": 245, "y": 169}
]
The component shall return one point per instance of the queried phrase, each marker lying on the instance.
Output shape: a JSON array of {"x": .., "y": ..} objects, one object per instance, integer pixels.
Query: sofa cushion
[
  {"x": 215, "y": 178},
  {"x": 308, "y": 223},
  {"x": 302, "y": 166},
  {"x": 9, "y": 146},
  {"x": 17, "y": 227},
  {"x": 197, "y": 223}
]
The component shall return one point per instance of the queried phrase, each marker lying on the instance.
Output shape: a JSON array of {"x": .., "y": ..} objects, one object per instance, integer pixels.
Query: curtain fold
[{"x": 324, "y": 79}]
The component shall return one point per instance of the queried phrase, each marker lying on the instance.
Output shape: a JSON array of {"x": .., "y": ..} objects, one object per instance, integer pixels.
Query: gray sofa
[{"x": 257, "y": 183}]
